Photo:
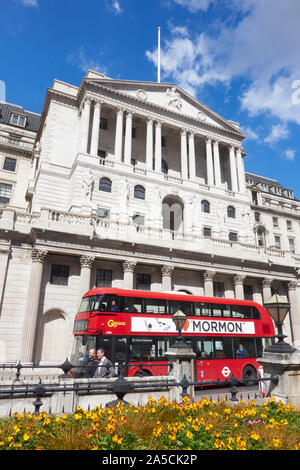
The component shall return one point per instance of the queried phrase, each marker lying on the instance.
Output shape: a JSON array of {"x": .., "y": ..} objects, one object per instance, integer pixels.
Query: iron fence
[{"x": 119, "y": 387}]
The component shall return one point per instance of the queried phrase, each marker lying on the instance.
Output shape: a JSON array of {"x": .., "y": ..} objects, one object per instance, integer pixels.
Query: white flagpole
[{"x": 158, "y": 56}]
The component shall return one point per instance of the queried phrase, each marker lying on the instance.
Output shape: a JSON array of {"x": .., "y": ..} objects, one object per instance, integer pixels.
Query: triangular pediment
[{"x": 169, "y": 97}]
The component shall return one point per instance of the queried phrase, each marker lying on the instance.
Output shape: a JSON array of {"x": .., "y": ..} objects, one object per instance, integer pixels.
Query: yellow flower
[
  {"x": 2, "y": 444},
  {"x": 277, "y": 442},
  {"x": 77, "y": 416},
  {"x": 172, "y": 437},
  {"x": 189, "y": 434},
  {"x": 26, "y": 436},
  {"x": 255, "y": 436},
  {"x": 117, "y": 439}
]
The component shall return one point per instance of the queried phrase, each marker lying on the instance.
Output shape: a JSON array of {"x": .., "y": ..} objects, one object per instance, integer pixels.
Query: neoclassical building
[{"x": 136, "y": 185}]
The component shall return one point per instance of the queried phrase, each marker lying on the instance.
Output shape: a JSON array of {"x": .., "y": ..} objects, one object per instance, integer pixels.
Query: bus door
[{"x": 204, "y": 349}]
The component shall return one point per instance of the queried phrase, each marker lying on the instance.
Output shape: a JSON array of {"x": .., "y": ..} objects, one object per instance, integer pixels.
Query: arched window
[
  {"x": 231, "y": 212},
  {"x": 205, "y": 206},
  {"x": 164, "y": 167},
  {"x": 139, "y": 192},
  {"x": 105, "y": 185}
]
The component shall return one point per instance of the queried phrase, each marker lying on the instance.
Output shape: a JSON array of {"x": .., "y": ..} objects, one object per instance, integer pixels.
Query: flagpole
[{"x": 158, "y": 57}]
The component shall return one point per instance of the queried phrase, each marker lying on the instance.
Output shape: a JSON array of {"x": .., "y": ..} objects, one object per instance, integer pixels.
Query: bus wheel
[
  {"x": 249, "y": 374},
  {"x": 143, "y": 373}
]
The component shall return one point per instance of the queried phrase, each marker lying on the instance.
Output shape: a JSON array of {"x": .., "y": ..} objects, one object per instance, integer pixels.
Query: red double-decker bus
[{"x": 134, "y": 326}]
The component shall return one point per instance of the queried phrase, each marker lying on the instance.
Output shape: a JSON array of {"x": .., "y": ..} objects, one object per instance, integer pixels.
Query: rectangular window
[
  {"x": 104, "y": 277},
  {"x": 202, "y": 309},
  {"x": 133, "y": 304},
  {"x": 5, "y": 193},
  {"x": 143, "y": 281},
  {"x": 103, "y": 123},
  {"x": 233, "y": 236},
  {"x": 275, "y": 222},
  {"x": 185, "y": 307},
  {"x": 156, "y": 306},
  {"x": 289, "y": 224},
  {"x": 59, "y": 274},
  {"x": 204, "y": 348},
  {"x": 277, "y": 242},
  {"x": 220, "y": 310},
  {"x": 9, "y": 164},
  {"x": 219, "y": 289},
  {"x": 18, "y": 120},
  {"x": 292, "y": 245},
  {"x": 248, "y": 292},
  {"x": 206, "y": 231}
]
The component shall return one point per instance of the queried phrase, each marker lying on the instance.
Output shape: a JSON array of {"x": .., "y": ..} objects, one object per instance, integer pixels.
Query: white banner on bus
[{"x": 166, "y": 325}]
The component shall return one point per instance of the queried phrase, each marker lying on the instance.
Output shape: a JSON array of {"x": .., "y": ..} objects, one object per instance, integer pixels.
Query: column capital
[
  {"x": 38, "y": 256},
  {"x": 129, "y": 113},
  {"x": 128, "y": 266},
  {"x": 167, "y": 270},
  {"x": 292, "y": 285},
  {"x": 150, "y": 120},
  {"x": 267, "y": 282},
  {"x": 191, "y": 134},
  {"x": 208, "y": 139},
  {"x": 183, "y": 131},
  {"x": 209, "y": 275},
  {"x": 158, "y": 123},
  {"x": 86, "y": 261},
  {"x": 98, "y": 103},
  {"x": 239, "y": 278},
  {"x": 120, "y": 110}
]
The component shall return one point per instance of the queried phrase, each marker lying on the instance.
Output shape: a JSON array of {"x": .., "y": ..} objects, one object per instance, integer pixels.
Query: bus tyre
[
  {"x": 250, "y": 375},
  {"x": 143, "y": 373}
]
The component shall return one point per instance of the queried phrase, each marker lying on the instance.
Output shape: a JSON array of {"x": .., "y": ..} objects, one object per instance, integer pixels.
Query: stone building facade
[{"x": 136, "y": 185}]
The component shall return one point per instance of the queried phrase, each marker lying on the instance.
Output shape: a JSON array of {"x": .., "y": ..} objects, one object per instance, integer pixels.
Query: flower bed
[{"x": 159, "y": 426}]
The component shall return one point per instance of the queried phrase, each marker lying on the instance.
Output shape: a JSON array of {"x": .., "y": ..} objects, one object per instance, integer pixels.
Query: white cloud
[
  {"x": 260, "y": 47},
  {"x": 290, "y": 154},
  {"x": 85, "y": 62},
  {"x": 195, "y": 5},
  {"x": 114, "y": 6},
  {"x": 278, "y": 132},
  {"x": 250, "y": 133},
  {"x": 29, "y": 3}
]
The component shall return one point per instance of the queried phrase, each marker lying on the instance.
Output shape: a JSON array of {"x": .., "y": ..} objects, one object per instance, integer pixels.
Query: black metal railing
[{"x": 120, "y": 387}]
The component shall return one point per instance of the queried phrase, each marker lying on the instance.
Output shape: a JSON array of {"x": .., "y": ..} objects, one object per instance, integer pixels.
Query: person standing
[
  {"x": 92, "y": 363},
  {"x": 105, "y": 367}
]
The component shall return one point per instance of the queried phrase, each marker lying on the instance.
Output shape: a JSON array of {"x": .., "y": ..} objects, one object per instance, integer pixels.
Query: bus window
[
  {"x": 133, "y": 305},
  {"x": 185, "y": 307},
  {"x": 141, "y": 349},
  {"x": 204, "y": 348},
  {"x": 241, "y": 311},
  {"x": 120, "y": 349},
  {"x": 100, "y": 303},
  {"x": 202, "y": 309},
  {"x": 156, "y": 306},
  {"x": 249, "y": 345},
  {"x": 219, "y": 310},
  {"x": 86, "y": 304},
  {"x": 219, "y": 350},
  {"x": 162, "y": 347}
]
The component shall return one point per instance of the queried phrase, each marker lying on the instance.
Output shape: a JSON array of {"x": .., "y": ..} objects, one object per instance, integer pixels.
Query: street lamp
[
  {"x": 278, "y": 307},
  {"x": 179, "y": 318}
]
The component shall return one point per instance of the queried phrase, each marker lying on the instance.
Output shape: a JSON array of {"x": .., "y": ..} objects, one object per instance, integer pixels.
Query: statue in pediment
[
  {"x": 174, "y": 98},
  {"x": 88, "y": 183}
]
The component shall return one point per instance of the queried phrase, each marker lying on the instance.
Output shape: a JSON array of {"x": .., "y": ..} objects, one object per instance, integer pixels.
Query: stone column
[
  {"x": 294, "y": 299},
  {"x": 266, "y": 285},
  {"x": 208, "y": 283},
  {"x": 85, "y": 124},
  {"x": 241, "y": 170},
  {"x": 4, "y": 258},
  {"x": 128, "y": 270},
  {"x": 184, "y": 157},
  {"x": 209, "y": 163},
  {"x": 233, "y": 174},
  {"x": 32, "y": 307},
  {"x": 86, "y": 264},
  {"x": 149, "y": 145},
  {"x": 119, "y": 135},
  {"x": 128, "y": 138},
  {"x": 192, "y": 158},
  {"x": 239, "y": 286},
  {"x": 158, "y": 156},
  {"x": 166, "y": 273},
  {"x": 95, "y": 129},
  {"x": 217, "y": 167}
]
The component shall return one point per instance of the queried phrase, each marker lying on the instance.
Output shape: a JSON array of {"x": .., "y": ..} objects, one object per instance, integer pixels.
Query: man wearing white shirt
[{"x": 105, "y": 367}]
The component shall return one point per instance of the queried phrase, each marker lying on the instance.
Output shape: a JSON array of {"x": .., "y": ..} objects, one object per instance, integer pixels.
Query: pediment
[{"x": 170, "y": 97}]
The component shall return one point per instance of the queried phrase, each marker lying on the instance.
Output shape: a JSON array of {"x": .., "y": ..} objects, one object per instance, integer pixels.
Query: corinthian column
[
  {"x": 192, "y": 158},
  {"x": 294, "y": 299},
  {"x": 119, "y": 136},
  {"x": 157, "y": 162},
  {"x": 128, "y": 139},
  {"x": 239, "y": 286},
  {"x": 128, "y": 270},
  {"x": 209, "y": 163},
  {"x": 217, "y": 163},
  {"x": 241, "y": 170},
  {"x": 95, "y": 129},
  {"x": 86, "y": 264},
  {"x": 149, "y": 145},
  {"x": 208, "y": 277},
  {"x": 184, "y": 158},
  {"x": 166, "y": 277},
  {"x": 85, "y": 123},
  {"x": 233, "y": 174},
  {"x": 32, "y": 306},
  {"x": 266, "y": 284}
]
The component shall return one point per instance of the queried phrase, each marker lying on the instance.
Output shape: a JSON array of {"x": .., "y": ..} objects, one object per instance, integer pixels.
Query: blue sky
[{"x": 240, "y": 58}]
